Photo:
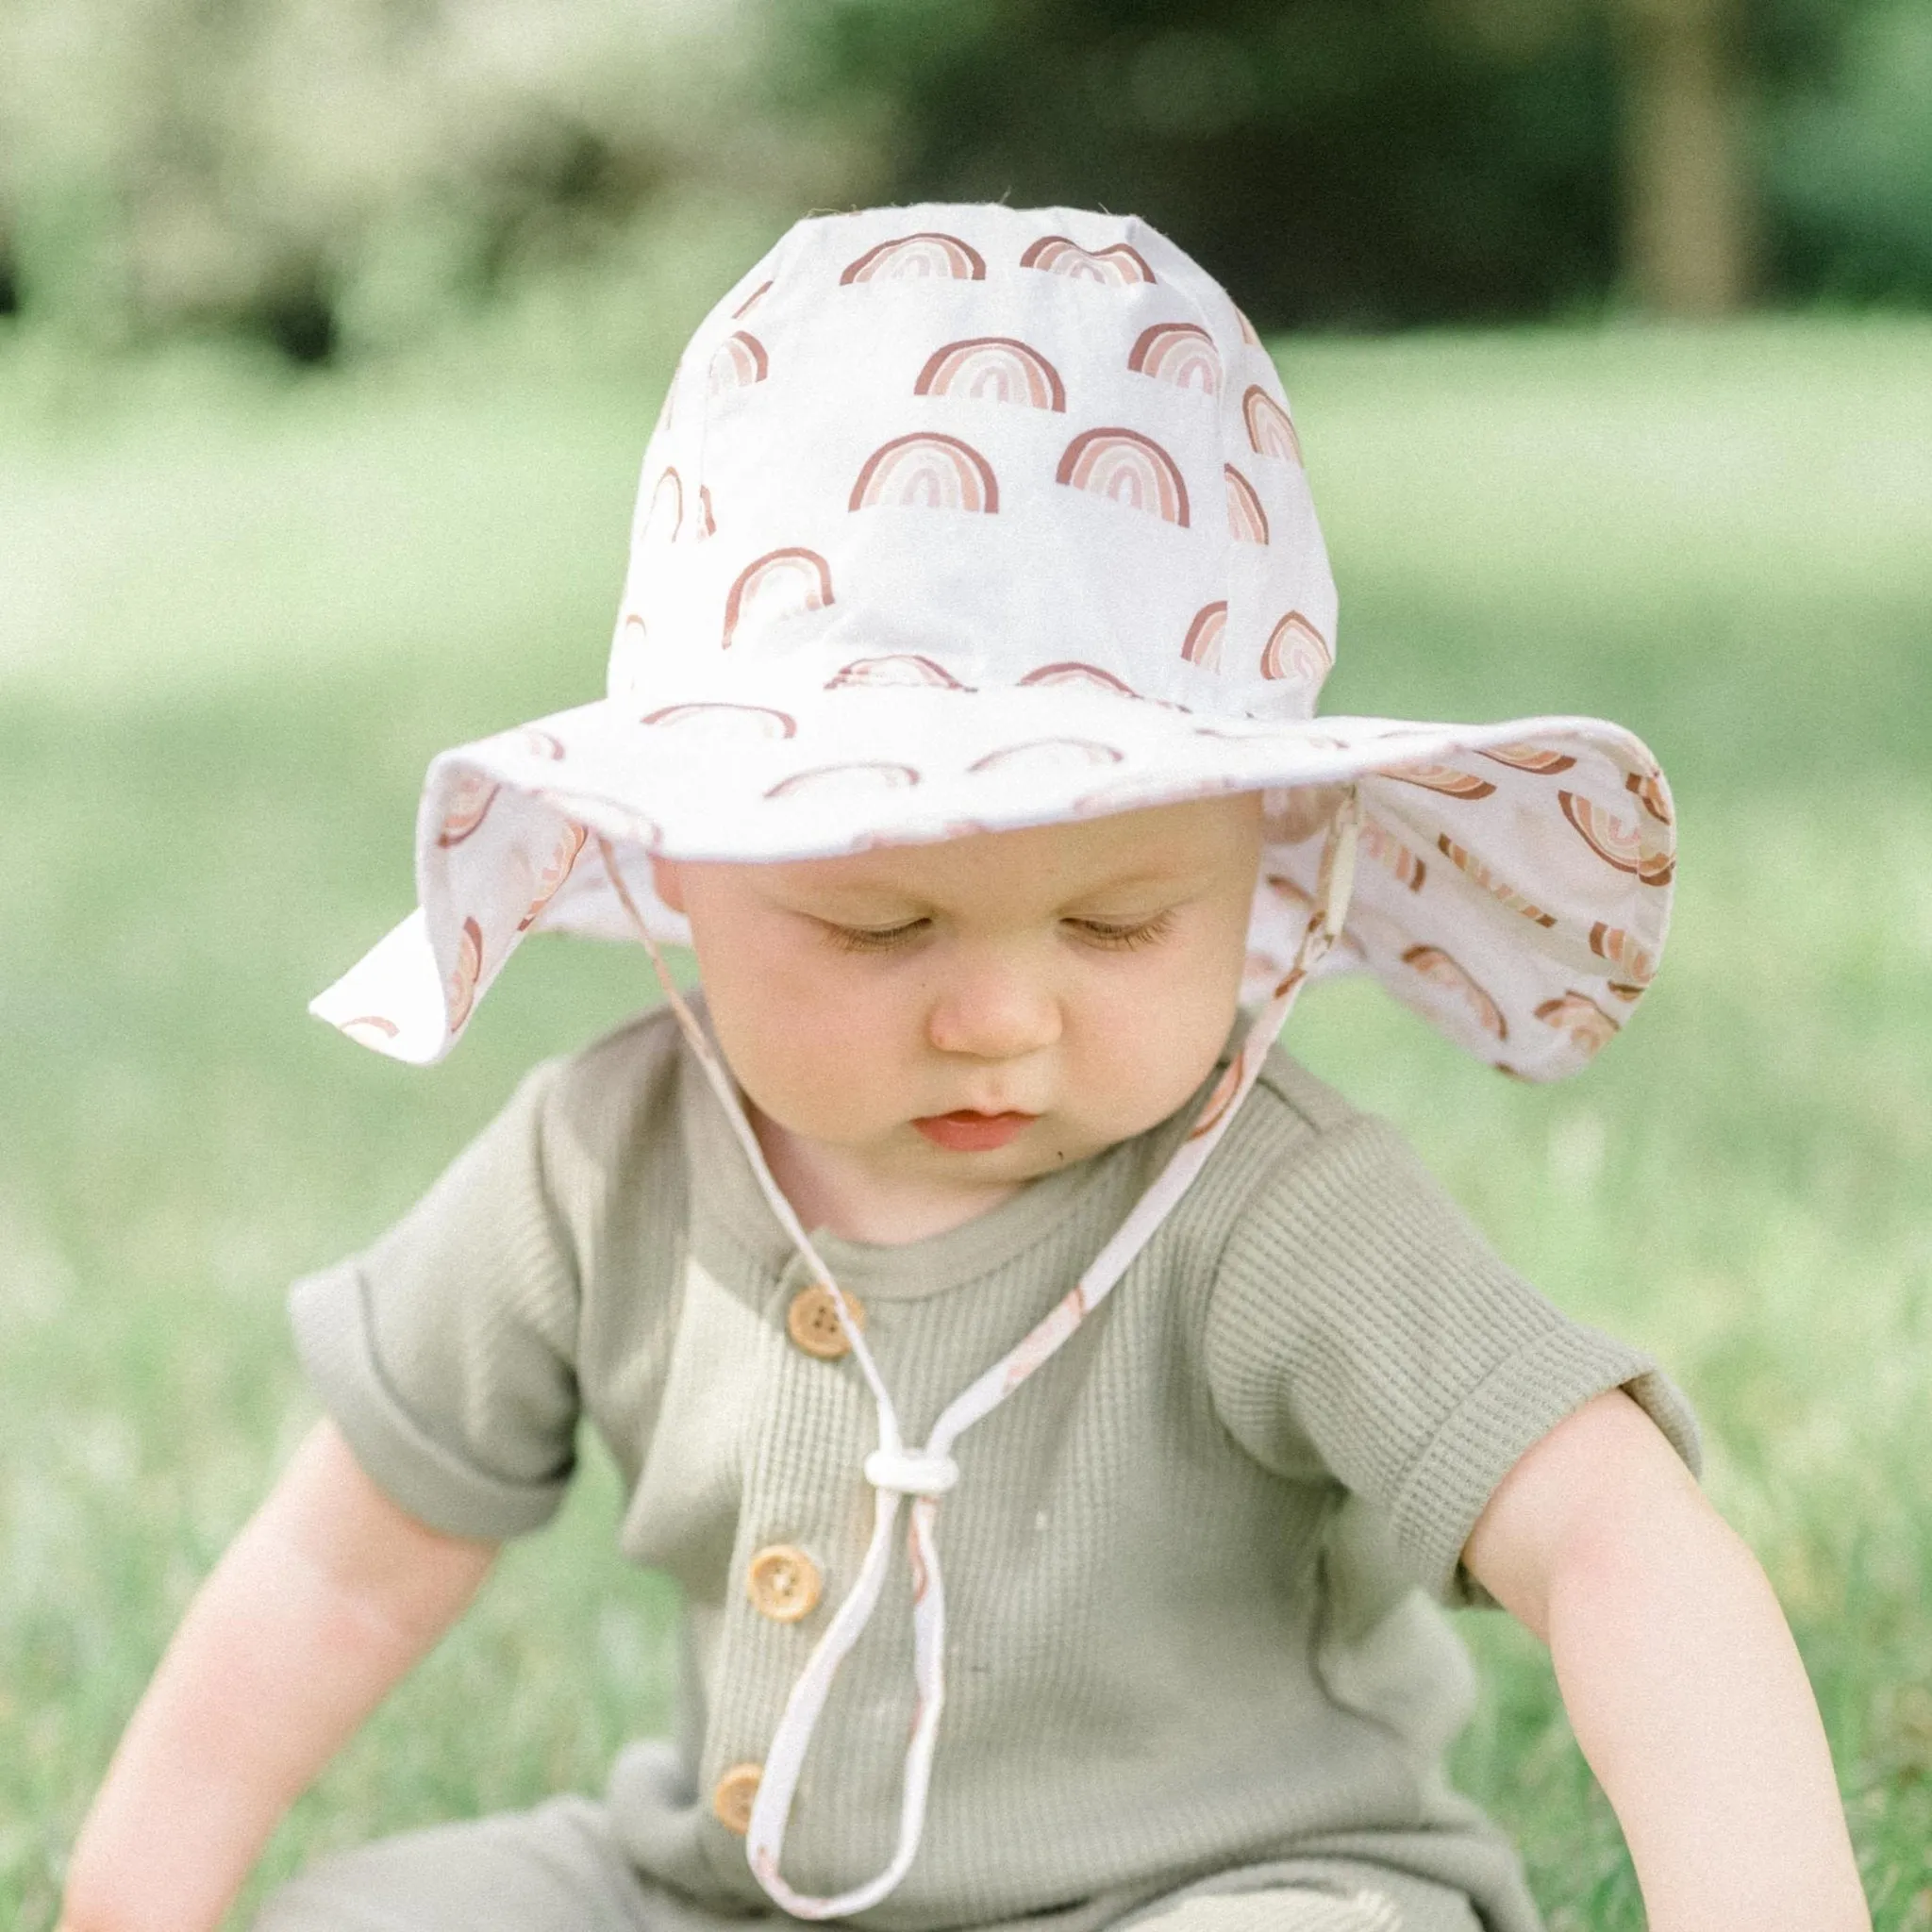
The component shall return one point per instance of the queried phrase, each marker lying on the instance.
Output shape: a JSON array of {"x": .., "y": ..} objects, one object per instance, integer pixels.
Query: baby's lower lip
[{"x": 967, "y": 1132}]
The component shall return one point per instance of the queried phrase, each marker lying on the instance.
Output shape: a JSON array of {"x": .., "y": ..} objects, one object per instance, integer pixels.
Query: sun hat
[
  {"x": 966, "y": 518},
  {"x": 963, "y": 518}
]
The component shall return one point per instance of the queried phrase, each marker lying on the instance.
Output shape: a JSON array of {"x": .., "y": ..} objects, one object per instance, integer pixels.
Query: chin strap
[{"x": 924, "y": 1475}]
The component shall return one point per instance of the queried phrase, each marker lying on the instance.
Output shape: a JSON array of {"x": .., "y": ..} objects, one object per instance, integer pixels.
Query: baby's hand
[{"x": 1680, "y": 1677}]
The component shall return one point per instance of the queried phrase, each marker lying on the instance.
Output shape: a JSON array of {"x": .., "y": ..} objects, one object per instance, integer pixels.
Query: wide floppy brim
[{"x": 1513, "y": 883}]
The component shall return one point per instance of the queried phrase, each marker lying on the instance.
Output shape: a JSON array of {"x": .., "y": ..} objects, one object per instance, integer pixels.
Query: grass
[{"x": 242, "y": 613}]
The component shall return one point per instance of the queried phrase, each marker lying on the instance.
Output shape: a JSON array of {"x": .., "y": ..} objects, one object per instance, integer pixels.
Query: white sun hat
[
  {"x": 959, "y": 519},
  {"x": 963, "y": 518}
]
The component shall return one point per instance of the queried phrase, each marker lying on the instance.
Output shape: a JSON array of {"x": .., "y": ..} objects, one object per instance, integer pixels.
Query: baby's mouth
[{"x": 970, "y": 1132}]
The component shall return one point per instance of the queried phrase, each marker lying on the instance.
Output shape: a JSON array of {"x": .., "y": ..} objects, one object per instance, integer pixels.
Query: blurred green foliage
[{"x": 347, "y": 175}]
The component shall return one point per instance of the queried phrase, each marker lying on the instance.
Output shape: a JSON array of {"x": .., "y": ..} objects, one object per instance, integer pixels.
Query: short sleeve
[
  {"x": 445, "y": 1353},
  {"x": 1360, "y": 1325}
]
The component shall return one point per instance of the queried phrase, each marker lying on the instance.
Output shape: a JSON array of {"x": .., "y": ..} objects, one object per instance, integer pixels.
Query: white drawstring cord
[{"x": 926, "y": 1474}]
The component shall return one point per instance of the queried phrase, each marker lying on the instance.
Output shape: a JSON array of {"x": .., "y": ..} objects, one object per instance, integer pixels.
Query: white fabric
[{"x": 971, "y": 517}]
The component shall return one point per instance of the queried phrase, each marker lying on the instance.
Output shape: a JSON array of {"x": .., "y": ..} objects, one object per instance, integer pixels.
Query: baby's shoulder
[{"x": 610, "y": 1104}]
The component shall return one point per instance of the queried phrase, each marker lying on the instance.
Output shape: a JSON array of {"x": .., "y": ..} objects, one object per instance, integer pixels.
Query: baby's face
[{"x": 938, "y": 1024}]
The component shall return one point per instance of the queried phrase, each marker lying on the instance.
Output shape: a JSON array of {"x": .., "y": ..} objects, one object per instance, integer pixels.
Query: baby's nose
[{"x": 993, "y": 1012}]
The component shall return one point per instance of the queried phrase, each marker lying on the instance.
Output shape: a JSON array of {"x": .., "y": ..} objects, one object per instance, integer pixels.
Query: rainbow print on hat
[{"x": 962, "y": 517}]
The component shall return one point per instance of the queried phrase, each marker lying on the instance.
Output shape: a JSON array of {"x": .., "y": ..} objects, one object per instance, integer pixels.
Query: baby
[{"x": 1058, "y": 1409}]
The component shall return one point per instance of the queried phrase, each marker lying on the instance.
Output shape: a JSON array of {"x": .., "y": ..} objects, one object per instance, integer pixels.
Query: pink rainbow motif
[
  {"x": 1297, "y": 650},
  {"x": 1612, "y": 944},
  {"x": 468, "y": 809},
  {"x": 1126, "y": 468},
  {"x": 370, "y": 1026},
  {"x": 666, "y": 507},
  {"x": 1616, "y": 842},
  {"x": 542, "y": 745},
  {"x": 1539, "y": 759},
  {"x": 751, "y": 302},
  {"x": 464, "y": 975},
  {"x": 1201, "y": 644},
  {"x": 1392, "y": 855},
  {"x": 993, "y": 368},
  {"x": 1446, "y": 779},
  {"x": 704, "y": 525},
  {"x": 1181, "y": 353},
  {"x": 765, "y": 721},
  {"x": 557, "y": 869},
  {"x": 1472, "y": 868},
  {"x": 1271, "y": 433},
  {"x": 850, "y": 778},
  {"x": 1072, "y": 672},
  {"x": 896, "y": 670},
  {"x": 739, "y": 362},
  {"x": 1647, "y": 788},
  {"x": 1588, "y": 1027},
  {"x": 1119, "y": 266},
  {"x": 780, "y": 584},
  {"x": 1050, "y": 754},
  {"x": 919, "y": 257},
  {"x": 1247, "y": 521},
  {"x": 926, "y": 471},
  {"x": 1240, "y": 315},
  {"x": 1440, "y": 970}
]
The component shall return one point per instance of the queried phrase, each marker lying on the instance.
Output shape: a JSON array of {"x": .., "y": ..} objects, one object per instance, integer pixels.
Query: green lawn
[{"x": 238, "y": 615}]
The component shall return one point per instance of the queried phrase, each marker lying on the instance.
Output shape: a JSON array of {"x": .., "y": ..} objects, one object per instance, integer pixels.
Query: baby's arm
[
  {"x": 326, "y": 1598},
  {"x": 1680, "y": 1678}
]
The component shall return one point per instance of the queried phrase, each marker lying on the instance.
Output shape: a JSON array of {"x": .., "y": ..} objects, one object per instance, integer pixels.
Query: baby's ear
[{"x": 667, "y": 880}]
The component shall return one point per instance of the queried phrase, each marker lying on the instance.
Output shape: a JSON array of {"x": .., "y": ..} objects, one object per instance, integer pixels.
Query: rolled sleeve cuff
[
  {"x": 329, "y": 1313},
  {"x": 1508, "y": 1413}
]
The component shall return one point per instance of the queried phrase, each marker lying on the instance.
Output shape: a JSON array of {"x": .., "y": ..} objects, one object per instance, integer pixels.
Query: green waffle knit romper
[{"x": 1195, "y": 1666}]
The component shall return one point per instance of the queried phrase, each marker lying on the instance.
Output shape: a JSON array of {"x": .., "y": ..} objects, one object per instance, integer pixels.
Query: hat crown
[{"x": 973, "y": 447}]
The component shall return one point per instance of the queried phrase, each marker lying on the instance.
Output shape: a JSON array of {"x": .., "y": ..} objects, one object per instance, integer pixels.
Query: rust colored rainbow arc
[
  {"x": 1616, "y": 842},
  {"x": 1128, "y": 468},
  {"x": 894, "y": 671},
  {"x": 926, "y": 470},
  {"x": 1270, "y": 431},
  {"x": 1058, "y": 255},
  {"x": 1064, "y": 753},
  {"x": 1247, "y": 521},
  {"x": 751, "y": 301},
  {"x": 1201, "y": 644},
  {"x": 1070, "y": 671},
  {"x": 790, "y": 581},
  {"x": 768, "y": 722},
  {"x": 654, "y": 515},
  {"x": 1181, "y": 353},
  {"x": 1588, "y": 1027},
  {"x": 1477, "y": 874},
  {"x": 467, "y": 810},
  {"x": 461, "y": 989},
  {"x": 1296, "y": 649},
  {"x": 1445, "y": 779},
  {"x": 925, "y": 255},
  {"x": 1546, "y": 763},
  {"x": 996, "y": 369},
  {"x": 1381, "y": 845},
  {"x": 869, "y": 774},
  {"x": 1249, "y": 334},
  {"x": 557, "y": 868},
  {"x": 1440, "y": 970},
  {"x": 739, "y": 362}
]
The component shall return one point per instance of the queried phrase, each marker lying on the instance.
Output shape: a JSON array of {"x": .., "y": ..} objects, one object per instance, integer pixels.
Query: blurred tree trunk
[{"x": 1688, "y": 228}]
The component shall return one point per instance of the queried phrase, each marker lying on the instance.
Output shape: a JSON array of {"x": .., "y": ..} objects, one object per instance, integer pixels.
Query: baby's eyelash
[
  {"x": 873, "y": 939},
  {"x": 1116, "y": 936}
]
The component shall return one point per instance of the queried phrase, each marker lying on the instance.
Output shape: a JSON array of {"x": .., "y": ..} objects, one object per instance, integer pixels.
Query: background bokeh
[{"x": 329, "y": 338}]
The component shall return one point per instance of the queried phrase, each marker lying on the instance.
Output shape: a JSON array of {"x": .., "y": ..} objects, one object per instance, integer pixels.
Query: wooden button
[
  {"x": 812, "y": 1321},
  {"x": 731, "y": 1797},
  {"x": 782, "y": 1582}
]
